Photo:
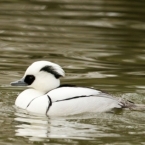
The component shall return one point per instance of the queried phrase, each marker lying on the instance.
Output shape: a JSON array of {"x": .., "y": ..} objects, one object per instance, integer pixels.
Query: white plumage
[{"x": 47, "y": 97}]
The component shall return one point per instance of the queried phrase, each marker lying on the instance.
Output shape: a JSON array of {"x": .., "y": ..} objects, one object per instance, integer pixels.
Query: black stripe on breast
[
  {"x": 49, "y": 104},
  {"x": 31, "y": 102}
]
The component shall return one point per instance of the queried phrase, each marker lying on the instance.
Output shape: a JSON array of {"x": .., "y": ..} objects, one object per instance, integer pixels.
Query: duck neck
[{"x": 46, "y": 87}]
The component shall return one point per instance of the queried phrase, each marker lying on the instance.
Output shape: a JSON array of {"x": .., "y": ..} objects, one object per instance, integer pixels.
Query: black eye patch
[{"x": 29, "y": 79}]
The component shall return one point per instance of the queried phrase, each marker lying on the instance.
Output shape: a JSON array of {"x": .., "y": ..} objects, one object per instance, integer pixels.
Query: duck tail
[{"x": 132, "y": 106}]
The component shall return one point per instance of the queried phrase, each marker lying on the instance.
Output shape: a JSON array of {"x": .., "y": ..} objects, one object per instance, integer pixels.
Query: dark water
[{"x": 99, "y": 44}]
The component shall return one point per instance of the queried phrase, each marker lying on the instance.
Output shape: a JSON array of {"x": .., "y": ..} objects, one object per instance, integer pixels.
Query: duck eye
[{"x": 29, "y": 79}]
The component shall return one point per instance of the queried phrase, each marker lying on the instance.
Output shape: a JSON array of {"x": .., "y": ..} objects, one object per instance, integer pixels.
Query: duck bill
[{"x": 19, "y": 83}]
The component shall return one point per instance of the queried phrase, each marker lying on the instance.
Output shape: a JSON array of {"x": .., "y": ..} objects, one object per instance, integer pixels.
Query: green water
[{"x": 98, "y": 43}]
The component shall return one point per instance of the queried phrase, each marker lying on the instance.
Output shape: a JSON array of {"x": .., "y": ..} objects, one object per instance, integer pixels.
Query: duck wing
[
  {"x": 72, "y": 92},
  {"x": 75, "y": 100}
]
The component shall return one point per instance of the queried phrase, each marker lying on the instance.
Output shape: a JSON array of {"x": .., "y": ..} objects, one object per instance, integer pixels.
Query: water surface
[{"x": 98, "y": 43}]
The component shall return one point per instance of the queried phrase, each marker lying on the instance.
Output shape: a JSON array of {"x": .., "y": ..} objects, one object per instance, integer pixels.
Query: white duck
[{"x": 46, "y": 96}]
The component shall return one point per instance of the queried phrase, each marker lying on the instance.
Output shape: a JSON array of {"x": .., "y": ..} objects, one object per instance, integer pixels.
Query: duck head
[{"x": 42, "y": 76}]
